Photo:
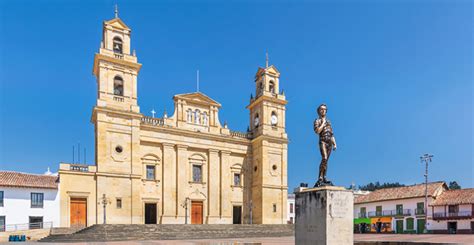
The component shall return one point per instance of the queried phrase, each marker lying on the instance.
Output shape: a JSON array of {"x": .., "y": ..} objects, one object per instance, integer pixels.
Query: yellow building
[{"x": 186, "y": 168}]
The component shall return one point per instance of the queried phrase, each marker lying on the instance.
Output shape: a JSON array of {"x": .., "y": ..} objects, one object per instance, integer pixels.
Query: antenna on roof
[
  {"x": 78, "y": 152},
  {"x": 197, "y": 80},
  {"x": 73, "y": 151},
  {"x": 116, "y": 11}
]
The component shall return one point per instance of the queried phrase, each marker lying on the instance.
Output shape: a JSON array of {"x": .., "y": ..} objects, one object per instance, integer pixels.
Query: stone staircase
[{"x": 170, "y": 232}]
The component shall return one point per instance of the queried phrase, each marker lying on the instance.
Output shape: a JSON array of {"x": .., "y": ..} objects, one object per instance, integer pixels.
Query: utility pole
[{"x": 426, "y": 158}]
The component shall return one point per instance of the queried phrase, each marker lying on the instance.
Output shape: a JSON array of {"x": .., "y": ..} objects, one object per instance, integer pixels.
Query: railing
[
  {"x": 404, "y": 212},
  {"x": 386, "y": 213},
  {"x": 119, "y": 99},
  {"x": 455, "y": 215},
  {"x": 27, "y": 226},
  {"x": 362, "y": 215},
  {"x": 247, "y": 135},
  {"x": 419, "y": 211},
  {"x": 78, "y": 167},
  {"x": 153, "y": 121},
  {"x": 118, "y": 56}
]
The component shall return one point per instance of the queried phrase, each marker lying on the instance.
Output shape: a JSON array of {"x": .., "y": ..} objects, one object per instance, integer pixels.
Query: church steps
[{"x": 171, "y": 232}]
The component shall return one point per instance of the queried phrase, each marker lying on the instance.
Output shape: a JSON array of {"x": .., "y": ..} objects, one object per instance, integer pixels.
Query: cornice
[
  {"x": 263, "y": 98},
  {"x": 183, "y": 132},
  {"x": 98, "y": 57}
]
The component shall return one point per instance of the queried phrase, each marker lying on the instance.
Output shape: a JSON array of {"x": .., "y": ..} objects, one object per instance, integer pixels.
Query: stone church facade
[{"x": 185, "y": 168}]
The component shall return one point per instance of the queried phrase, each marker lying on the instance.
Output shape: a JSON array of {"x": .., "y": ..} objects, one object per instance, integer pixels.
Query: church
[{"x": 185, "y": 168}]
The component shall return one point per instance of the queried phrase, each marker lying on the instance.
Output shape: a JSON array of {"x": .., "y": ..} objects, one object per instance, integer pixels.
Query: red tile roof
[
  {"x": 455, "y": 197},
  {"x": 434, "y": 189},
  {"x": 16, "y": 179}
]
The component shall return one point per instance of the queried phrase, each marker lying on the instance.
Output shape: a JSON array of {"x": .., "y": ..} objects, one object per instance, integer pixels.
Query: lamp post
[
  {"x": 185, "y": 206},
  {"x": 104, "y": 201},
  {"x": 426, "y": 158}
]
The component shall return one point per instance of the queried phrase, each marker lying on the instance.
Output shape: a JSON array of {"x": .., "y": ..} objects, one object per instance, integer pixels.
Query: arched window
[
  {"x": 256, "y": 121},
  {"x": 271, "y": 87},
  {"x": 197, "y": 117},
  {"x": 118, "y": 86},
  {"x": 205, "y": 119},
  {"x": 260, "y": 88},
  {"x": 118, "y": 45},
  {"x": 190, "y": 115}
]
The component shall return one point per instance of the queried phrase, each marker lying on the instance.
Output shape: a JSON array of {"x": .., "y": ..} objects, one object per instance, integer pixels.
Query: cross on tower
[{"x": 153, "y": 112}]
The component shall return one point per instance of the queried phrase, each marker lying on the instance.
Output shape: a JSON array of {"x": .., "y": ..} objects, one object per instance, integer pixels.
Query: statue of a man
[{"x": 322, "y": 127}]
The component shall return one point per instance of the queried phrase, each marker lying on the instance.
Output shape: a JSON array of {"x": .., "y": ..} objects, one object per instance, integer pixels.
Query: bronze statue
[{"x": 327, "y": 142}]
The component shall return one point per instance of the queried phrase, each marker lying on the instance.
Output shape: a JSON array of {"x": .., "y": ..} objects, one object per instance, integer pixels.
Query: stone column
[
  {"x": 225, "y": 207},
  {"x": 182, "y": 180},
  {"x": 213, "y": 187},
  {"x": 324, "y": 216},
  {"x": 168, "y": 200}
]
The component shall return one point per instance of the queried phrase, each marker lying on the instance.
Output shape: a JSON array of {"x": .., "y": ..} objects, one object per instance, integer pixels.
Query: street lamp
[
  {"x": 426, "y": 158},
  {"x": 185, "y": 206},
  {"x": 104, "y": 201}
]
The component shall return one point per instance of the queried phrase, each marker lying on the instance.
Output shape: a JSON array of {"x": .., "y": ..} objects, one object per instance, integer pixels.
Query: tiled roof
[
  {"x": 434, "y": 189},
  {"x": 455, "y": 197},
  {"x": 16, "y": 179}
]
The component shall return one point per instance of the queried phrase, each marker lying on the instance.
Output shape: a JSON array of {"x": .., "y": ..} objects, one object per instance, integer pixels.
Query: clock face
[
  {"x": 274, "y": 120},
  {"x": 256, "y": 121}
]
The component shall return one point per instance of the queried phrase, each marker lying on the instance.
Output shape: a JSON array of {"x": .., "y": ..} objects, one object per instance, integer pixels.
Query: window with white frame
[
  {"x": 197, "y": 116},
  {"x": 205, "y": 119},
  {"x": 189, "y": 114},
  {"x": 1, "y": 198}
]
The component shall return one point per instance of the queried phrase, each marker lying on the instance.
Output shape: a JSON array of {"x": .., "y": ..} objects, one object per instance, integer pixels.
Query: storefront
[
  {"x": 362, "y": 225},
  {"x": 381, "y": 225}
]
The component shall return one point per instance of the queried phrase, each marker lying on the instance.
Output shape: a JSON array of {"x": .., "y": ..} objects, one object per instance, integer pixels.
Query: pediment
[
  {"x": 271, "y": 70},
  {"x": 117, "y": 23},
  {"x": 197, "y": 98}
]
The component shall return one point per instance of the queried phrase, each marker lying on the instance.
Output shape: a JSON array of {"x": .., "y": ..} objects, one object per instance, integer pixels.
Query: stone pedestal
[{"x": 324, "y": 215}]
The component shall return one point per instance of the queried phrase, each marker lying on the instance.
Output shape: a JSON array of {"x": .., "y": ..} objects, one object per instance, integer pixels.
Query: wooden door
[
  {"x": 78, "y": 212},
  {"x": 196, "y": 212}
]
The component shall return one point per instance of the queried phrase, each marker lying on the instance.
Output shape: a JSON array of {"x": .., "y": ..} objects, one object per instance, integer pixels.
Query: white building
[
  {"x": 453, "y": 212},
  {"x": 291, "y": 209},
  {"x": 28, "y": 201},
  {"x": 399, "y": 209}
]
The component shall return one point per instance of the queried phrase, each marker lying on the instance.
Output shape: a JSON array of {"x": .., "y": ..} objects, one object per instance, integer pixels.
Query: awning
[{"x": 361, "y": 220}]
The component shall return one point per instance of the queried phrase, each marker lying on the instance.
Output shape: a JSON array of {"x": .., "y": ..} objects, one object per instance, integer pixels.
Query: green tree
[
  {"x": 453, "y": 185},
  {"x": 376, "y": 186}
]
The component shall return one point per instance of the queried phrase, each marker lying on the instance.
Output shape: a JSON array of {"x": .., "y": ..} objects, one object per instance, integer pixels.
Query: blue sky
[{"x": 397, "y": 77}]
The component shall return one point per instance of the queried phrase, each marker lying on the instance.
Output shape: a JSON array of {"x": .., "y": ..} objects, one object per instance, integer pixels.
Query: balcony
[
  {"x": 403, "y": 212},
  {"x": 419, "y": 211},
  {"x": 455, "y": 215},
  {"x": 384, "y": 213},
  {"x": 362, "y": 215}
]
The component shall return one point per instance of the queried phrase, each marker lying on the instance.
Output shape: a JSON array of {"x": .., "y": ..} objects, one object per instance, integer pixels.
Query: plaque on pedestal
[{"x": 324, "y": 215}]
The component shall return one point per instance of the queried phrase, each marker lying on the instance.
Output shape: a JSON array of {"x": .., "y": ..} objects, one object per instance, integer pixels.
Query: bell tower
[
  {"x": 269, "y": 148},
  {"x": 116, "y": 68},
  {"x": 116, "y": 118}
]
